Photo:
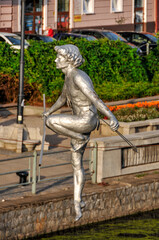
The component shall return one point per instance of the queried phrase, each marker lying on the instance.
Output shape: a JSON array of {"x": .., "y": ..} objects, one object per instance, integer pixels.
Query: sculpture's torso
[{"x": 76, "y": 99}]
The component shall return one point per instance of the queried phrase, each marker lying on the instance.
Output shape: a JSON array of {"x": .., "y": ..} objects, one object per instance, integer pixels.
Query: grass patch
[{"x": 141, "y": 175}]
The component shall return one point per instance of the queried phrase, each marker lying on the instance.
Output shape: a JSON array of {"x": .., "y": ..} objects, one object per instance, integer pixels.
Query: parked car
[
  {"x": 99, "y": 33},
  {"x": 63, "y": 36},
  {"x": 145, "y": 40},
  {"x": 102, "y": 33},
  {"x": 38, "y": 37},
  {"x": 12, "y": 39}
]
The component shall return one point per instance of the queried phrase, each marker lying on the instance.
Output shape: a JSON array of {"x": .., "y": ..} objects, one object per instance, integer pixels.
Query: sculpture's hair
[{"x": 71, "y": 53}]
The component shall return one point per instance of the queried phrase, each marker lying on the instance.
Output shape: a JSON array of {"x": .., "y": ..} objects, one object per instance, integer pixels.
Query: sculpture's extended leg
[
  {"x": 79, "y": 180},
  {"x": 78, "y": 128}
]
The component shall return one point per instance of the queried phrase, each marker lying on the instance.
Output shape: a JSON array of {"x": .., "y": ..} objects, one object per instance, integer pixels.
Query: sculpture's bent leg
[
  {"x": 79, "y": 180},
  {"x": 71, "y": 126}
]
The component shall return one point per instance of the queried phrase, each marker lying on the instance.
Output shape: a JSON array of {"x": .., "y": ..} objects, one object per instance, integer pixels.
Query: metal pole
[
  {"x": 121, "y": 135},
  {"x": 34, "y": 173},
  {"x": 94, "y": 167},
  {"x": 147, "y": 48},
  {"x": 44, "y": 133},
  {"x": 21, "y": 80}
]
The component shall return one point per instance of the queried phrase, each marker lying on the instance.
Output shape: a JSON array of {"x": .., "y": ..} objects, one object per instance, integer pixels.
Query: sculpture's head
[{"x": 71, "y": 54}]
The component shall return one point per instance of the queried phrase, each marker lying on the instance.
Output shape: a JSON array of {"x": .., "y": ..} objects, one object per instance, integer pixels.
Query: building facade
[{"x": 65, "y": 15}]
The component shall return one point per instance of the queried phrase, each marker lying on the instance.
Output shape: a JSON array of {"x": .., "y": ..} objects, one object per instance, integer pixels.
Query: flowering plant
[
  {"x": 135, "y": 105},
  {"x": 136, "y": 112}
]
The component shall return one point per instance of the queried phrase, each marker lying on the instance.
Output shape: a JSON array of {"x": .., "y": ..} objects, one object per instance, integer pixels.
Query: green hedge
[{"x": 116, "y": 70}]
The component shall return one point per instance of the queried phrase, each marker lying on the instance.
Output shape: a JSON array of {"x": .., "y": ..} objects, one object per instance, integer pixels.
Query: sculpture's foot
[
  {"x": 82, "y": 203},
  {"x": 78, "y": 144},
  {"x": 78, "y": 210},
  {"x": 78, "y": 217}
]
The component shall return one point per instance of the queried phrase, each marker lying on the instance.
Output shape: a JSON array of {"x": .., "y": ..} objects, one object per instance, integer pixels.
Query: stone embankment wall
[{"x": 41, "y": 215}]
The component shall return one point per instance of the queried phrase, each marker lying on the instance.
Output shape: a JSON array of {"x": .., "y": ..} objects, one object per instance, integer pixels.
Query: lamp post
[{"x": 21, "y": 78}]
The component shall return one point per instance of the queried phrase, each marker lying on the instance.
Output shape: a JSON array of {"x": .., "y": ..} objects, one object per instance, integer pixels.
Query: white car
[{"x": 12, "y": 39}]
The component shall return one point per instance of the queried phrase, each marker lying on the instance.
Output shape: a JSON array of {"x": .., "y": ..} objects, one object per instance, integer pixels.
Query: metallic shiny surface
[{"x": 79, "y": 94}]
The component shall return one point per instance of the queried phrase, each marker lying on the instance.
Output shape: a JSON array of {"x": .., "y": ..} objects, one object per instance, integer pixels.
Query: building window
[
  {"x": 33, "y": 16},
  {"x": 88, "y": 6},
  {"x": 116, "y": 5},
  {"x": 139, "y": 3},
  {"x": 63, "y": 5},
  {"x": 63, "y": 15},
  {"x": 139, "y": 15}
]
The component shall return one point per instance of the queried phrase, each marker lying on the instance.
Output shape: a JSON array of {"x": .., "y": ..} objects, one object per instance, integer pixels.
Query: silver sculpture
[{"x": 79, "y": 94}]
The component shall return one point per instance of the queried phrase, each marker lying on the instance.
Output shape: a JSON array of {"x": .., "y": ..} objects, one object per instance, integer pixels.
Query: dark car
[
  {"x": 145, "y": 40},
  {"x": 102, "y": 33},
  {"x": 38, "y": 37},
  {"x": 63, "y": 36}
]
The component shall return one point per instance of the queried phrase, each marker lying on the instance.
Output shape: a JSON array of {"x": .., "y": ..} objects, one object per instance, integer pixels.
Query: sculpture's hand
[
  {"x": 114, "y": 124},
  {"x": 45, "y": 114}
]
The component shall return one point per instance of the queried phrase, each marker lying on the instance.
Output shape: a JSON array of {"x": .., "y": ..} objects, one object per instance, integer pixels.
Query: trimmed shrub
[{"x": 116, "y": 70}]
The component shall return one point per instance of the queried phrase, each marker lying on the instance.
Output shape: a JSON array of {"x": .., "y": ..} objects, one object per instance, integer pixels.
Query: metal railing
[
  {"x": 28, "y": 170},
  {"x": 34, "y": 170}
]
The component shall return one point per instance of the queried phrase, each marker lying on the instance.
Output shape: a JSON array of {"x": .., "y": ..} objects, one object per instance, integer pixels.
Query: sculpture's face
[{"x": 61, "y": 62}]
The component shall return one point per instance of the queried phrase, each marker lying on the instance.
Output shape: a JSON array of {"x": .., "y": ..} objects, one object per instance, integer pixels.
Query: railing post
[
  {"x": 147, "y": 48},
  {"x": 93, "y": 166},
  {"x": 29, "y": 177},
  {"x": 39, "y": 173},
  {"x": 34, "y": 173}
]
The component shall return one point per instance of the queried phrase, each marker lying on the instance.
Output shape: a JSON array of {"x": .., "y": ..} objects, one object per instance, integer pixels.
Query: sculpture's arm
[
  {"x": 58, "y": 104},
  {"x": 87, "y": 89}
]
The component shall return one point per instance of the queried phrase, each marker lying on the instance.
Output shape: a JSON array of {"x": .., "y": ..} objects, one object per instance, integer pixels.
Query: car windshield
[
  {"x": 153, "y": 38},
  {"x": 47, "y": 39},
  {"x": 90, "y": 38},
  {"x": 113, "y": 36},
  {"x": 16, "y": 40}
]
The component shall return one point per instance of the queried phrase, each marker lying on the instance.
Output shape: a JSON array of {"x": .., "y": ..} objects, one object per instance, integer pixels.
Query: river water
[{"x": 142, "y": 226}]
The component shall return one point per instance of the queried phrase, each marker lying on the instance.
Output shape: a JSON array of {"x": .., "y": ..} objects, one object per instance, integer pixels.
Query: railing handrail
[{"x": 31, "y": 155}]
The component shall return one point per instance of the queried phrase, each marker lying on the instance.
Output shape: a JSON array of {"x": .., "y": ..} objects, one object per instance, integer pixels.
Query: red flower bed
[
  {"x": 137, "y": 111},
  {"x": 139, "y": 105}
]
